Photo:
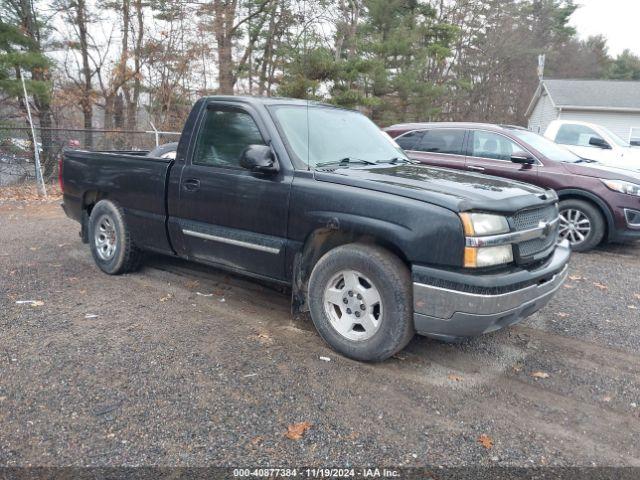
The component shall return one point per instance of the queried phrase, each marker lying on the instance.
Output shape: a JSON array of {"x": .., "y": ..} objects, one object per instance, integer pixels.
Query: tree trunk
[
  {"x": 226, "y": 79},
  {"x": 42, "y": 103},
  {"x": 86, "y": 102}
]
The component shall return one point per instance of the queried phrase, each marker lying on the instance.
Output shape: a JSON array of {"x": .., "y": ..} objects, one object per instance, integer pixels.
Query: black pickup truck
[{"x": 318, "y": 198}]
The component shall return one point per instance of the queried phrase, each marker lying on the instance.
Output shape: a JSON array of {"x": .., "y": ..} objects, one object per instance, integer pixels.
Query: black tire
[
  {"x": 596, "y": 220},
  {"x": 125, "y": 257},
  {"x": 390, "y": 278}
]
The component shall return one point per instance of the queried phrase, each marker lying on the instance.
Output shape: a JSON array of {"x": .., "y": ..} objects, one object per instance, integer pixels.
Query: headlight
[
  {"x": 623, "y": 187},
  {"x": 479, "y": 224},
  {"x": 475, "y": 257}
]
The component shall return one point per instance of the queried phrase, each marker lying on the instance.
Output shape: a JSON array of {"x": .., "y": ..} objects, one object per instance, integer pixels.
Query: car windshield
[
  {"x": 320, "y": 136},
  {"x": 549, "y": 149},
  {"x": 615, "y": 138}
]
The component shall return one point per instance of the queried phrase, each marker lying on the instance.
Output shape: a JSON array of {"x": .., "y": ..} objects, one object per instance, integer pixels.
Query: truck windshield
[
  {"x": 549, "y": 149},
  {"x": 320, "y": 136}
]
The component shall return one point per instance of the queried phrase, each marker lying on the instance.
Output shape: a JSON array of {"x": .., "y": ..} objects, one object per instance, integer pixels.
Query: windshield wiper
[
  {"x": 396, "y": 160},
  {"x": 346, "y": 161}
]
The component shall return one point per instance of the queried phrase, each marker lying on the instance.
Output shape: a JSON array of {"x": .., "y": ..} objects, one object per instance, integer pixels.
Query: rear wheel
[
  {"x": 111, "y": 245},
  {"x": 581, "y": 223},
  {"x": 361, "y": 301}
]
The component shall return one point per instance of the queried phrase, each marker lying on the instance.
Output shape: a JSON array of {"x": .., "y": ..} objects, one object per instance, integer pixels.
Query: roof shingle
[{"x": 609, "y": 94}]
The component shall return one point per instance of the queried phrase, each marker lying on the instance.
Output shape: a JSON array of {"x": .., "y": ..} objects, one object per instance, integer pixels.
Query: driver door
[
  {"x": 490, "y": 153},
  {"x": 228, "y": 215}
]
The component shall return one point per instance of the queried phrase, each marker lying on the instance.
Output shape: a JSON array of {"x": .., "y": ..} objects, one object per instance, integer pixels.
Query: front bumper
[{"x": 471, "y": 305}]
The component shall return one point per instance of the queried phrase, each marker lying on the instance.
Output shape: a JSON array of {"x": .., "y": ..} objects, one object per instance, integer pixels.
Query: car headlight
[
  {"x": 623, "y": 187},
  {"x": 478, "y": 257},
  {"x": 481, "y": 225}
]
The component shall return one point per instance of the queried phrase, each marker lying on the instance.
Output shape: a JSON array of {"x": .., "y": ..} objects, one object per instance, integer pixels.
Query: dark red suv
[{"x": 596, "y": 202}]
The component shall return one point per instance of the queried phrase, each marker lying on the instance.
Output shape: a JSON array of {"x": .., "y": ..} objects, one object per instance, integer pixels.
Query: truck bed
[{"x": 136, "y": 182}]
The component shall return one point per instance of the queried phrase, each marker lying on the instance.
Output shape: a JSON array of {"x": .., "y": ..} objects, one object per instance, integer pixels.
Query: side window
[
  {"x": 492, "y": 145},
  {"x": 446, "y": 140},
  {"x": 223, "y": 136},
  {"x": 578, "y": 135},
  {"x": 408, "y": 141}
]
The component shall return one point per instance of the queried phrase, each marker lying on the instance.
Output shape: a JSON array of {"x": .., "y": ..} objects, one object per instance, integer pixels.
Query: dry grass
[{"x": 28, "y": 192}]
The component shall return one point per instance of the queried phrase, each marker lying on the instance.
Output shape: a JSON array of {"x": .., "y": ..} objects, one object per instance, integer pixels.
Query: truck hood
[{"x": 451, "y": 189}]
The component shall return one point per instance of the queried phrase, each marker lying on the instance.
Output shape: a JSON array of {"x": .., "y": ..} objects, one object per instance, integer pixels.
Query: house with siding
[{"x": 614, "y": 104}]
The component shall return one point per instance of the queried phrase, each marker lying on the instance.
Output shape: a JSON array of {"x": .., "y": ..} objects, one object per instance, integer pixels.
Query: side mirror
[
  {"x": 522, "y": 158},
  {"x": 599, "y": 142},
  {"x": 259, "y": 158}
]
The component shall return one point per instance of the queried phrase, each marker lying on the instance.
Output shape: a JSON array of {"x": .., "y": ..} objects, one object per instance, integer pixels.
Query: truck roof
[{"x": 270, "y": 100}]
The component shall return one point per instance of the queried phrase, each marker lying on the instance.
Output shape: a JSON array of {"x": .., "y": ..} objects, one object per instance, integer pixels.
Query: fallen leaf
[
  {"x": 637, "y": 295},
  {"x": 568, "y": 286},
  {"x": 576, "y": 277},
  {"x": 295, "y": 431},
  {"x": 606, "y": 399},
  {"x": 562, "y": 315},
  {"x": 168, "y": 297},
  {"x": 540, "y": 375},
  {"x": 486, "y": 441},
  {"x": 600, "y": 286},
  {"x": 255, "y": 440},
  {"x": 454, "y": 378}
]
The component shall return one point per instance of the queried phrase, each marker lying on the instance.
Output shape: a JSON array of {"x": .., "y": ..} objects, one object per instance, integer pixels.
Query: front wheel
[
  {"x": 361, "y": 301},
  {"x": 581, "y": 223}
]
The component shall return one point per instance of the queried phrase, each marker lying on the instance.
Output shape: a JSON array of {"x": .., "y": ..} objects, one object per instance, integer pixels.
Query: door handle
[
  {"x": 475, "y": 168},
  {"x": 191, "y": 184}
]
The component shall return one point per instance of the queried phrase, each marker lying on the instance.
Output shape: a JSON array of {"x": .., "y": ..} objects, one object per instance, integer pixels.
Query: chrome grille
[
  {"x": 531, "y": 218},
  {"x": 528, "y": 219}
]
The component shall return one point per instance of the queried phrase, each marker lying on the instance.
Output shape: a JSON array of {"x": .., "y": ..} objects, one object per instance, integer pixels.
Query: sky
[{"x": 617, "y": 20}]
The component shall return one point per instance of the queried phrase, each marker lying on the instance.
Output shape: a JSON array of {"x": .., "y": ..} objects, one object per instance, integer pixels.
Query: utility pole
[{"x": 36, "y": 151}]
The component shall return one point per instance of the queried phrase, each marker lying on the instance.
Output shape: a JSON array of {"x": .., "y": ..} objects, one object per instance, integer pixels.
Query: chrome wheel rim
[
  {"x": 354, "y": 305},
  {"x": 575, "y": 226},
  {"x": 105, "y": 238}
]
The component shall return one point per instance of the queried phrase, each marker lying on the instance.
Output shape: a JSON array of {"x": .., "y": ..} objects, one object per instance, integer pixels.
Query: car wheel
[
  {"x": 581, "y": 223},
  {"x": 361, "y": 301},
  {"x": 112, "y": 248}
]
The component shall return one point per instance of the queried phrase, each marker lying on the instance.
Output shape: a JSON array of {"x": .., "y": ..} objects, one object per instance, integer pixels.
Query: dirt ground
[{"x": 184, "y": 365}]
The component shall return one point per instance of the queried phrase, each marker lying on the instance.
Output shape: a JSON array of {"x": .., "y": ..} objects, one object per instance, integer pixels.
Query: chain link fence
[{"x": 17, "y": 162}]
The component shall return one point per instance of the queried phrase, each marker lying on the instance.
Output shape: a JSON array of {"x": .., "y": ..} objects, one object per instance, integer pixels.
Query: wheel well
[
  {"x": 605, "y": 214},
  {"x": 89, "y": 200},
  {"x": 319, "y": 243}
]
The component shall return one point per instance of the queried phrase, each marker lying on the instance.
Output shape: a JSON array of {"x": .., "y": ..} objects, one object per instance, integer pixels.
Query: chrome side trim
[
  {"x": 231, "y": 241},
  {"x": 542, "y": 231}
]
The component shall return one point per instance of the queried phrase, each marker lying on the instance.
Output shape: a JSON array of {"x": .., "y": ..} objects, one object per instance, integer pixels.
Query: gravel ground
[{"x": 184, "y": 365}]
